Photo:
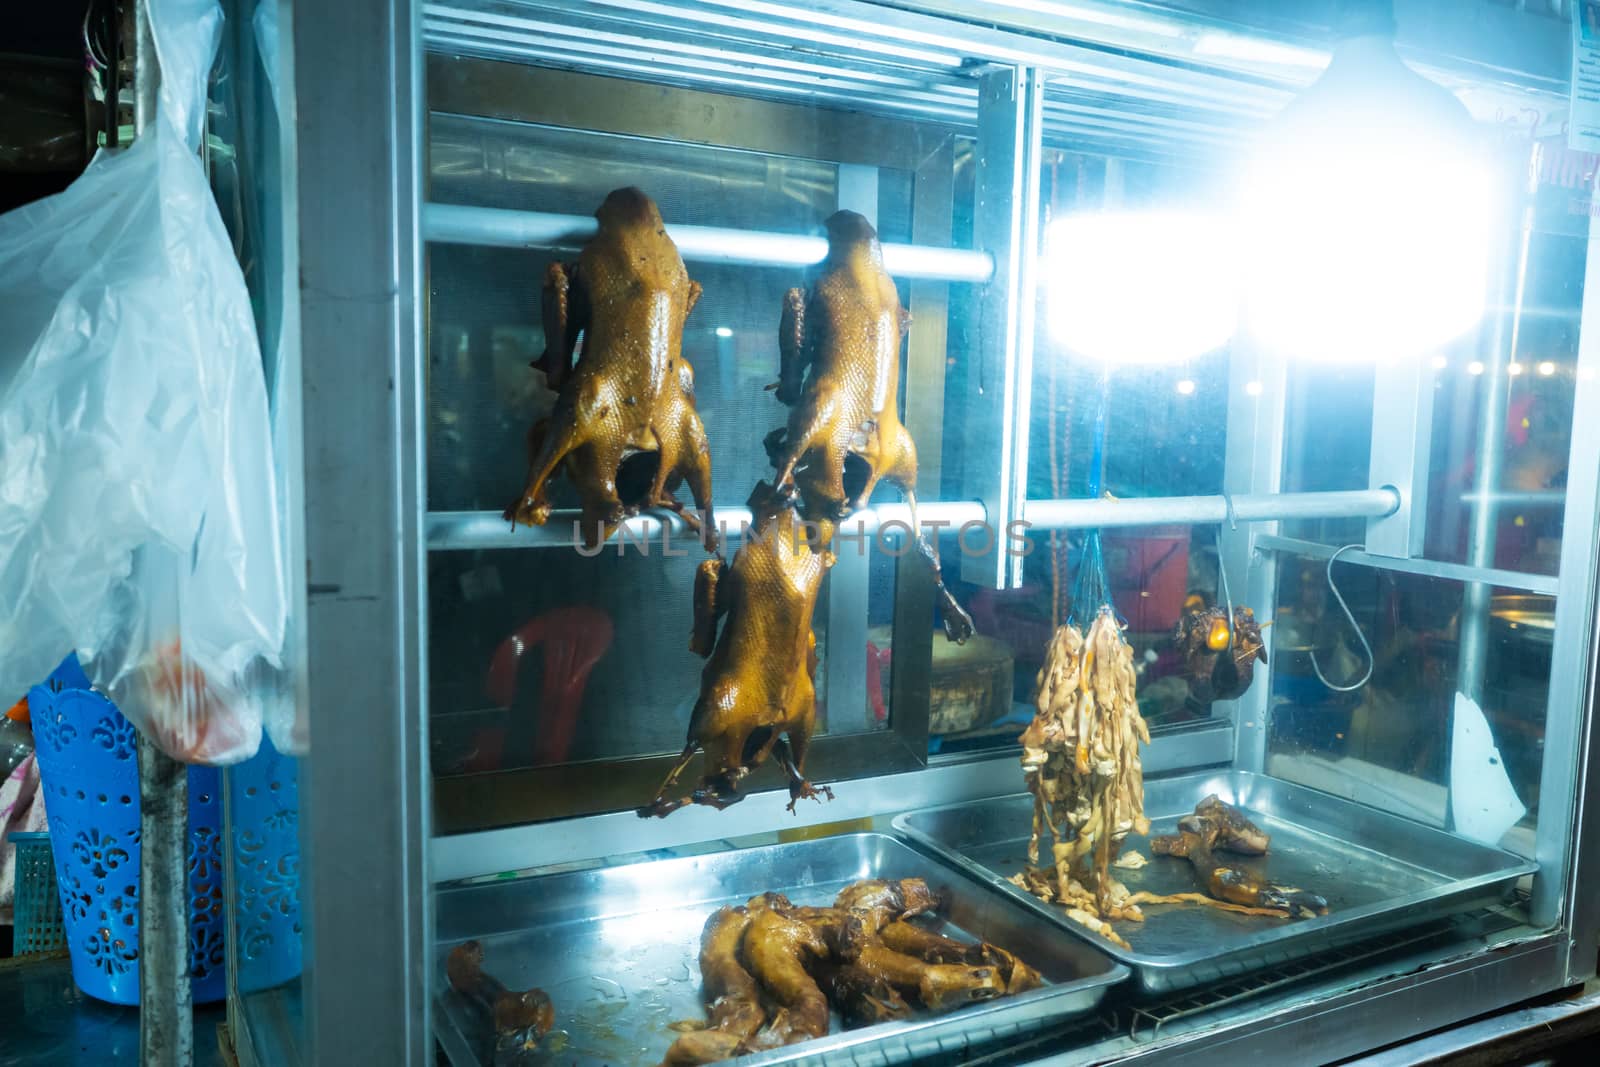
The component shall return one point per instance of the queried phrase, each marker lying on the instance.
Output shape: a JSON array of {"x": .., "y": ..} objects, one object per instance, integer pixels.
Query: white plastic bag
[{"x": 137, "y": 516}]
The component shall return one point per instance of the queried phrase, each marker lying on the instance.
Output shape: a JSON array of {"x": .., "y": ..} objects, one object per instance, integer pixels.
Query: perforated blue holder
[{"x": 89, "y": 773}]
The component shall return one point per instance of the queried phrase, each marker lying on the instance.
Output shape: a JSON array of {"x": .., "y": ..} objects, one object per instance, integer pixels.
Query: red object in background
[
  {"x": 573, "y": 638},
  {"x": 878, "y": 659},
  {"x": 1149, "y": 576}
]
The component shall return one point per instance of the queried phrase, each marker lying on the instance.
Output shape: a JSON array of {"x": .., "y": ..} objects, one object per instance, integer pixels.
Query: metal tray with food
[
  {"x": 1377, "y": 873},
  {"x": 615, "y": 952}
]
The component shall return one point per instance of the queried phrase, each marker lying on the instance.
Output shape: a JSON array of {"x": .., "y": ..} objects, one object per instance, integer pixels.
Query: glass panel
[{"x": 541, "y": 658}]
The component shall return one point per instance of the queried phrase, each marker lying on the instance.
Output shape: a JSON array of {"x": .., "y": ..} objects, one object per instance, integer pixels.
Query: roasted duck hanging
[
  {"x": 839, "y": 344},
  {"x": 756, "y": 692},
  {"x": 624, "y": 428},
  {"x": 1219, "y": 661},
  {"x": 1081, "y": 760}
]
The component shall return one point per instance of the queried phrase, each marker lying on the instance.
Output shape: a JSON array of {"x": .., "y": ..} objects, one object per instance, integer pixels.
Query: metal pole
[
  {"x": 166, "y": 1017},
  {"x": 456, "y": 530},
  {"x": 503, "y": 228}
]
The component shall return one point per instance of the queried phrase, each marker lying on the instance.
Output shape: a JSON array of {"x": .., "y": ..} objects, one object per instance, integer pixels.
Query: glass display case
[{"x": 1286, "y": 412}]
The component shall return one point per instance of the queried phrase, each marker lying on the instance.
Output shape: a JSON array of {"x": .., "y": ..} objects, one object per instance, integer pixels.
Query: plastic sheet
[{"x": 138, "y": 520}]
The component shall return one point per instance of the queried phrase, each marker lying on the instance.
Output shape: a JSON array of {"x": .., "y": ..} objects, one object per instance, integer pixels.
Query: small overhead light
[
  {"x": 1475, "y": 367},
  {"x": 1186, "y": 386},
  {"x": 1440, "y": 363},
  {"x": 1252, "y": 388},
  {"x": 724, "y": 331},
  {"x": 1513, "y": 369},
  {"x": 1546, "y": 368}
]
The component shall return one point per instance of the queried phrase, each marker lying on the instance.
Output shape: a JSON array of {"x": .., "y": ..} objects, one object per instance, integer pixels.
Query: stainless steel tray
[
  {"x": 1378, "y": 872},
  {"x": 616, "y": 949}
]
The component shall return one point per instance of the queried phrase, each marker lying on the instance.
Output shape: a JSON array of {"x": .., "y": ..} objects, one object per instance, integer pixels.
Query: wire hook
[
  {"x": 1222, "y": 583},
  {"x": 1354, "y": 625}
]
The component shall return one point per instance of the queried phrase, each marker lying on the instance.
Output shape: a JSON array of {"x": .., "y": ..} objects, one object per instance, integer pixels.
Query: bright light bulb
[
  {"x": 1186, "y": 387},
  {"x": 724, "y": 331},
  {"x": 1546, "y": 368},
  {"x": 1140, "y": 287},
  {"x": 1513, "y": 369},
  {"x": 1440, "y": 363},
  {"x": 1252, "y": 388},
  {"x": 1475, "y": 367}
]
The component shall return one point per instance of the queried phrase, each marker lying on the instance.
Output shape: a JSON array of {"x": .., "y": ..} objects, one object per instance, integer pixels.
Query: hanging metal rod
[
  {"x": 450, "y": 531},
  {"x": 499, "y": 227},
  {"x": 1519, "y": 498},
  {"x": 1200, "y": 510}
]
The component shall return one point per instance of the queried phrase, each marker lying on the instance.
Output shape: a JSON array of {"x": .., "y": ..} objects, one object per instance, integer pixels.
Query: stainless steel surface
[
  {"x": 616, "y": 949},
  {"x": 1489, "y": 577},
  {"x": 942, "y": 782},
  {"x": 1567, "y": 843},
  {"x": 1198, "y": 510},
  {"x": 1377, "y": 872},
  {"x": 366, "y": 803},
  {"x": 1006, "y": 225},
  {"x": 1534, "y": 498},
  {"x": 1401, "y": 454},
  {"x": 1508, "y": 1037},
  {"x": 1253, "y": 466},
  {"x": 166, "y": 1005},
  {"x": 464, "y": 224}
]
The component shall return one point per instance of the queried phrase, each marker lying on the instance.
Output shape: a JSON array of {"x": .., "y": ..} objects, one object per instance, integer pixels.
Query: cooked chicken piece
[
  {"x": 930, "y": 947},
  {"x": 1219, "y": 663},
  {"x": 1197, "y": 838},
  {"x": 756, "y": 692},
  {"x": 1235, "y": 833},
  {"x": 632, "y": 391},
  {"x": 701, "y": 1047},
  {"x": 733, "y": 999},
  {"x": 779, "y": 951},
  {"x": 939, "y": 987},
  {"x": 862, "y": 998},
  {"x": 844, "y": 416},
  {"x": 903, "y": 898},
  {"x": 520, "y": 1019}
]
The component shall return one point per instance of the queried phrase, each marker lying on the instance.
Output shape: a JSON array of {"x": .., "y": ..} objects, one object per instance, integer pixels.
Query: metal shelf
[
  {"x": 461, "y": 224},
  {"x": 1548, "y": 584}
]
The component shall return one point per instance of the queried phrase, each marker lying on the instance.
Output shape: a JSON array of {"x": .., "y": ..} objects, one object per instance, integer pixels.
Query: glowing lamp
[
  {"x": 1139, "y": 287},
  {"x": 1366, "y": 210}
]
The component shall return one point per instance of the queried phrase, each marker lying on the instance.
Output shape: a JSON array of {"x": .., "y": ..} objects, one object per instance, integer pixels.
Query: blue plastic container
[
  {"x": 89, "y": 772},
  {"x": 266, "y": 867},
  {"x": 38, "y": 906}
]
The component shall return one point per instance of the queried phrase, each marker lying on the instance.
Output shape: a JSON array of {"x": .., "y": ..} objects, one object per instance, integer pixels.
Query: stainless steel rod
[
  {"x": 1196, "y": 510},
  {"x": 470, "y": 530},
  {"x": 461, "y": 224},
  {"x": 1521, "y": 498}
]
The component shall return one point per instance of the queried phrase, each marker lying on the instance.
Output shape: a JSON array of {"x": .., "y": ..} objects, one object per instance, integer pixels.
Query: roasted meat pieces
[
  {"x": 630, "y": 398},
  {"x": 1215, "y": 827},
  {"x": 1080, "y": 757},
  {"x": 772, "y": 971},
  {"x": 756, "y": 692},
  {"x": 839, "y": 346},
  {"x": 1219, "y": 661},
  {"x": 520, "y": 1020}
]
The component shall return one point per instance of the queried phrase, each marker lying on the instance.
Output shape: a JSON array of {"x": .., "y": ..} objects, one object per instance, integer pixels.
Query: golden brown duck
[
  {"x": 844, "y": 432},
  {"x": 630, "y": 399},
  {"x": 520, "y": 1019},
  {"x": 1219, "y": 662},
  {"x": 757, "y": 697}
]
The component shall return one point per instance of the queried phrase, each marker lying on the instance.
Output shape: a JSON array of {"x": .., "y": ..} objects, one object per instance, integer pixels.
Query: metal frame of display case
[{"x": 353, "y": 187}]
